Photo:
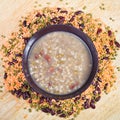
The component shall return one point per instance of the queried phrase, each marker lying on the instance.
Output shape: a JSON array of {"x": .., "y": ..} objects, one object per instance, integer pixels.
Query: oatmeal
[{"x": 60, "y": 62}]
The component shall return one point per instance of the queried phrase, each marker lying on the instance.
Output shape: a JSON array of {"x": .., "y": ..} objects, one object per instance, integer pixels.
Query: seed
[
  {"x": 46, "y": 110},
  {"x": 26, "y": 95},
  {"x": 24, "y": 23},
  {"x": 58, "y": 9},
  {"x": 15, "y": 61},
  {"x": 64, "y": 11},
  {"x": 5, "y": 75},
  {"x": 111, "y": 43},
  {"x": 19, "y": 94},
  {"x": 54, "y": 20},
  {"x": 13, "y": 92},
  {"x": 70, "y": 113},
  {"x": 86, "y": 105},
  {"x": 84, "y": 97},
  {"x": 10, "y": 63},
  {"x": 99, "y": 31},
  {"x": 30, "y": 101},
  {"x": 18, "y": 55},
  {"x": 72, "y": 18},
  {"x": 26, "y": 39},
  {"x": 117, "y": 44},
  {"x": 52, "y": 112},
  {"x": 8, "y": 53},
  {"x": 78, "y": 12},
  {"x": 70, "y": 24},
  {"x": 92, "y": 104},
  {"x": 94, "y": 92},
  {"x": 106, "y": 85},
  {"x": 82, "y": 25},
  {"x": 25, "y": 86},
  {"x": 62, "y": 115},
  {"x": 99, "y": 79},
  {"x": 76, "y": 99},
  {"x": 98, "y": 98},
  {"x": 59, "y": 111},
  {"x": 62, "y": 19},
  {"x": 43, "y": 15},
  {"x": 107, "y": 50},
  {"x": 105, "y": 58},
  {"x": 109, "y": 32},
  {"x": 38, "y": 15},
  {"x": 98, "y": 89},
  {"x": 29, "y": 26}
]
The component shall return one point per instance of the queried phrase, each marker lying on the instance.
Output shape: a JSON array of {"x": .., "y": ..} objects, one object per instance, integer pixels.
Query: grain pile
[{"x": 101, "y": 35}]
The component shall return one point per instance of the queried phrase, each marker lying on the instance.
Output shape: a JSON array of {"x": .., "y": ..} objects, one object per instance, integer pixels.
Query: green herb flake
[
  {"x": 66, "y": 3},
  {"x": 118, "y": 68},
  {"x": 112, "y": 19},
  {"x": 3, "y": 36},
  {"x": 30, "y": 110},
  {"x": 36, "y": 2},
  {"x": 72, "y": 8},
  {"x": 84, "y": 7},
  {"x": 1, "y": 91},
  {"x": 48, "y": 3}
]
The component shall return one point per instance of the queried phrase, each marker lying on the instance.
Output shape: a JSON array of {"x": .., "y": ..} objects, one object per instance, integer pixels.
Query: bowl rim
[{"x": 65, "y": 28}]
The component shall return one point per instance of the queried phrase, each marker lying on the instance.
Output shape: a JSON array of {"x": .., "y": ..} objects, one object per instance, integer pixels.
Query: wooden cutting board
[{"x": 11, "y": 11}]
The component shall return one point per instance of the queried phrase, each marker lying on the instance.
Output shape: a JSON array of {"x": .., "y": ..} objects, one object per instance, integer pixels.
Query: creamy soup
[{"x": 60, "y": 62}]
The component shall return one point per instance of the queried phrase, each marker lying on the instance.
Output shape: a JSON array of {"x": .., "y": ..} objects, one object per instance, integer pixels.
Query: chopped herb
[
  {"x": 112, "y": 19},
  {"x": 1, "y": 90},
  {"x": 39, "y": 5},
  {"x": 84, "y": 7},
  {"x": 66, "y": 3},
  {"x": 3, "y": 36},
  {"x": 30, "y": 110},
  {"x": 118, "y": 68},
  {"x": 48, "y": 3},
  {"x": 72, "y": 8}
]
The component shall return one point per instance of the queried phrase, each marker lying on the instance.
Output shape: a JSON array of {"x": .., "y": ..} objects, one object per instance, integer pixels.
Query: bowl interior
[{"x": 64, "y": 28}]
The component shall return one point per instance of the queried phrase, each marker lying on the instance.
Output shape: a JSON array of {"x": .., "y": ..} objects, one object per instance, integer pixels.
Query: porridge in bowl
[{"x": 59, "y": 62}]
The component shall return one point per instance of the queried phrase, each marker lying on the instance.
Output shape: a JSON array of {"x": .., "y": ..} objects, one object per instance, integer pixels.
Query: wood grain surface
[{"x": 11, "y": 11}]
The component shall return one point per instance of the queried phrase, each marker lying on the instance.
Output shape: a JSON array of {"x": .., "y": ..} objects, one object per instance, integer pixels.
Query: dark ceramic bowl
[{"x": 69, "y": 29}]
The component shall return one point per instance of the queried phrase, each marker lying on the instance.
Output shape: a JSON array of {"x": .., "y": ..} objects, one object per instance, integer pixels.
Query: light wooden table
[{"x": 10, "y": 13}]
